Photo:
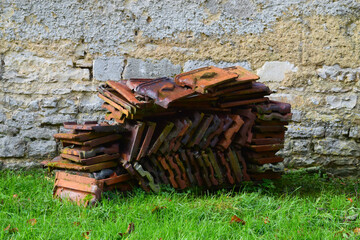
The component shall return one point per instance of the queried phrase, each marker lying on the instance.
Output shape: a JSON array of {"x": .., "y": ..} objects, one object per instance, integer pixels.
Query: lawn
[{"x": 299, "y": 206}]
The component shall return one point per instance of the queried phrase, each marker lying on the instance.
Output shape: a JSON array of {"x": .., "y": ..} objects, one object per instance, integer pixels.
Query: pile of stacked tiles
[
  {"x": 209, "y": 127},
  {"x": 88, "y": 163},
  {"x": 265, "y": 138}
]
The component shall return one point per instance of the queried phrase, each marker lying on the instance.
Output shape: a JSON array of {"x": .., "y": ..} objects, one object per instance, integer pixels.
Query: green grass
[{"x": 300, "y": 206}]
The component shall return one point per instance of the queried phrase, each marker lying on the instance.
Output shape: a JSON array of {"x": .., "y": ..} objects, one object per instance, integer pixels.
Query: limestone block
[
  {"x": 34, "y": 105},
  {"x": 12, "y": 147},
  {"x": 339, "y": 161},
  {"x": 74, "y": 109},
  {"x": 8, "y": 130},
  {"x": 315, "y": 100},
  {"x": 74, "y": 74},
  {"x": 3, "y": 130},
  {"x": 137, "y": 68},
  {"x": 47, "y": 112},
  {"x": 57, "y": 119},
  {"x": 68, "y": 106},
  {"x": 2, "y": 116},
  {"x": 300, "y": 146},
  {"x": 354, "y": 132},
  {"x": 38, "y": 133},
  {"x": 80, "y": 51},
  {"x": 92, "y": 116},
  {"x": 335, "y": 72},
  {"x": 339, "y": 89},
  {"x": 108, "y": 68},
  {"x": 26, "y": 67},
  {"x": 90, "y": 104},
  {"x": 41, "y": 148},
  {"x": 67, "y": 102},
  {"x": 67, "y": 73},
  {"x": 194, "y": 64},
  {"x": 299, "y": 161},
  {"x": 82, "y": 63},
  {"x": 332, "y": 146},
  {"x": 298, "y": 131},
  {"x": 49, "y": 102},
  {"x": 283, "y": 97},
  {"x": 275, "y": 71},
  {"x": 11, "y": 102},
  {"x": 338, "y": 102},
  {"x": 61, "y": 91},
  {"x": 337, "y": 129},
  {"x": 286, "y": 151},
  {"x": 70, "y": 63},
  {"x": 23, "y": 119},
  {"x": 64, "y": 130},
  {"x": 85, "y": 87},
  {"x": 1, "y": 67},
  {"x": 296, "y": 115}
]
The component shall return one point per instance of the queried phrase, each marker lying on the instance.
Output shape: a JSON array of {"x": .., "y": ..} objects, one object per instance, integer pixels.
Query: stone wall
[{"x": 53, "y": 55}]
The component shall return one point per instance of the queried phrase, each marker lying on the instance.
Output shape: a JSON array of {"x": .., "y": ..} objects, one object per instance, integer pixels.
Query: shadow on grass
[
  {"x": 304, "y": 184},
  {"x": 300, "y": 183},
  {"x": 296, "y": 183}
]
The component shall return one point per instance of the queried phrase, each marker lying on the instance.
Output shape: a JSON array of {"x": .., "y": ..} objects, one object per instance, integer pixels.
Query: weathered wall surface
[{"x": 53, "y": 55}]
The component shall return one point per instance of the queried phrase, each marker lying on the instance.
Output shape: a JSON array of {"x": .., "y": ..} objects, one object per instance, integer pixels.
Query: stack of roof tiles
[
  {"x": 209, "y": 127},
  {"x": 90, "y": 155}
]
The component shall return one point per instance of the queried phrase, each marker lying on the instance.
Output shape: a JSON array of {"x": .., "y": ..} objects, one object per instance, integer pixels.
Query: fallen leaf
[
  {"x": 157, "y": 209},
  {"x": 356, "y": 231},
  {"x": 129, "y": 230},
  {"x": 11, "y": 230},
  {"x": 32, "y": 221},
  {"x": 86, "y": 234},
  {"x": 237, "y": 220},
  {"x": 76, "y": 224},
  {"x": 266, "y": 220}
]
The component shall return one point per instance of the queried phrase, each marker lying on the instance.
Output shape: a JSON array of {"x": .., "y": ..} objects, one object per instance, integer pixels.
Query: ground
[{"x": 299, "y": 206}]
